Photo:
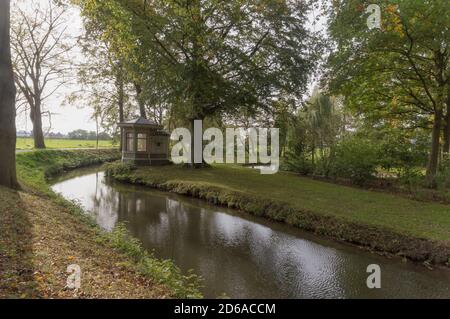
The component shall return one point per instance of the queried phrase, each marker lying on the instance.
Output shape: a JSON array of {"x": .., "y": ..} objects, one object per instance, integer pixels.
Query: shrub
[
  {"x": 118, "y": 168},
  {"x": 355, "y": 158},
  {"x": 412, "y": 179},
  {"x": 443, "y": 176},
  {"x": 322, "y": 166},
  {"x": 297, "y": 163},
  {"x": 399, "y": 152}
]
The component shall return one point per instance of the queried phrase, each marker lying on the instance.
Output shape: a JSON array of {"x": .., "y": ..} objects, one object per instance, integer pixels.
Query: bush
[
  {"x": 355, "y": 158},
  {"x": 443, "y": 176},
  {"x": 322, "y": 166},
  {"x": 412, "y": 179},
  {"x": 297, "y": 163},
  {"x": 118, "y": 168},
  {"x": 399, "y": 152}
]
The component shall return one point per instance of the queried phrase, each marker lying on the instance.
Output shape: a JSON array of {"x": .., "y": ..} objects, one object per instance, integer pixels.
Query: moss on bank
[
  {"x": 41, "y": 234},
  {"x": 387, "y": 223}
]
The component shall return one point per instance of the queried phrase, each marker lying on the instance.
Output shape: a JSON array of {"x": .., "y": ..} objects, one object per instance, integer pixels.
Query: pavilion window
[
  {"x": 142, "y": 142},
  {"x": 130, "y": 142}
]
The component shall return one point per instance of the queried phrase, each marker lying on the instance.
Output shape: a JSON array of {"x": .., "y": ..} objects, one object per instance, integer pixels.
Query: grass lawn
[
  {"x": 408, "y": 217},
  {"x": 26, "y": 143}
]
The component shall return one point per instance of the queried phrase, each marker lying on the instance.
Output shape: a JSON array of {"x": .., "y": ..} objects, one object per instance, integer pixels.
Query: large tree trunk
[
  {"x": 7, "y": 103},
  {"x": 439, "y": 107},
  {"x": 140, "y": 100},
  {"x": 121, "y": 102},
  {"x": 433, "y": 161},
  {"x": 36, "y": 119},
  {"x": 446, "y": 148}
]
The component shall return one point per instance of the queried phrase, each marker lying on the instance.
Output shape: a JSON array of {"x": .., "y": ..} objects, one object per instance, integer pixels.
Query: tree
[
  {"x": 400, "y": 72},
  {"x": 40, "y": 46},
  {"x": 213, "y": 57},
  {"x": 78, "y": 135},
  {"x": 104, "y": 82},
  {"x": 446, "y": 146},
  {"x": 322, "y": 122},
  {"x": 7, "y": 103}
]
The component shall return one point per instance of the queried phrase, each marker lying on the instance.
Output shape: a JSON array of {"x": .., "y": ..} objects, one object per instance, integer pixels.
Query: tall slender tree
[
  {"x": 103, "y": 84},
  {"x": 41, "y": 63},
  {"x": 7, "y": 103}
]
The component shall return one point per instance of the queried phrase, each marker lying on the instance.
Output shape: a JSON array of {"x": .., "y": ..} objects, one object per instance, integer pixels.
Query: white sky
[{"x": 70, "y": 117}]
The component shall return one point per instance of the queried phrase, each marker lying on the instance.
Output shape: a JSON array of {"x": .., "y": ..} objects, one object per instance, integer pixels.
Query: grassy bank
[
  {"x": 416, "y": 230},
  {"x": 41, "y": 234},
  {"x": 26, "y": 143}
]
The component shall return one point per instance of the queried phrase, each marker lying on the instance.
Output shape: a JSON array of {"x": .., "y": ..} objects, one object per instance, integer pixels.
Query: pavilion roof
[{"x": 139, "y": 122}]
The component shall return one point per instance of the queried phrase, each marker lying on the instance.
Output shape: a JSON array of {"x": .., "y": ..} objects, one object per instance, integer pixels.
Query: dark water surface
[{"x": 241, "y": 255}]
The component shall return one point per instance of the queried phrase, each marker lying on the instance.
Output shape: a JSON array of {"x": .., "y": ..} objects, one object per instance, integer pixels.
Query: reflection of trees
[
  {"x": 216, "y": 245},
  {"x": 104, "y": 203}
]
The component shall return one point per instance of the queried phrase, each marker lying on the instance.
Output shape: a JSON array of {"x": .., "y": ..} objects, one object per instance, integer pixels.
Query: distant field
[{"x": 27, "y": 143}]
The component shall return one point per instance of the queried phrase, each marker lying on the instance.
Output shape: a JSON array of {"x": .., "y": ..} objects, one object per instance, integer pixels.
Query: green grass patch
[
  {"x": 26, "y": 143},
  {"x": 34, "y": 168}
]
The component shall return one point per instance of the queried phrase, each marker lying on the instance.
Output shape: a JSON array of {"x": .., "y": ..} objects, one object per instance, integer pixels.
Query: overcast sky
[{"x": 66, "y": 118}]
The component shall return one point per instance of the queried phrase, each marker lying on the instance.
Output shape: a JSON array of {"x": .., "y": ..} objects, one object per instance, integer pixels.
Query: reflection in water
[{"x": 244, "y": 256}]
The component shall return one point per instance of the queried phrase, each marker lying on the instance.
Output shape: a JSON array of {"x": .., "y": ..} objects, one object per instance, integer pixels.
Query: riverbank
[
  {"x": 415, "y": 230},
  {"x": 41, "y": 234}
]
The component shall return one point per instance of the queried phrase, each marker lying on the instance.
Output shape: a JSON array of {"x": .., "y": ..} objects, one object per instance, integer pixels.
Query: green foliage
[
  {"x": 412, "y": 178},
  {"x": 203, "y": 58},
  {"x": 323, "y": 164},
  {"x": 313, "y": 134},
  {"x": 443, "y": 177},
  {"x": 400, "y": 150},
  {"x": 355, "y": 158},
  {"x": 163, "y": 271},
  {"x": 88, "y": 135},
  {"x": 298, "y": 163},
  {"x": 118, "y": 168},
  {"x": 396, "y": 75}
]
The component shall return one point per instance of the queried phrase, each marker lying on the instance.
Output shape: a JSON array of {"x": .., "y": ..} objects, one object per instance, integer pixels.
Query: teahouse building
[{"x": 144, "y": 142}]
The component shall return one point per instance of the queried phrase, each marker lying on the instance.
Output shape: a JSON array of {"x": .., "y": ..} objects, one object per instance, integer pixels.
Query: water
[{"x": 245, "y": 256}]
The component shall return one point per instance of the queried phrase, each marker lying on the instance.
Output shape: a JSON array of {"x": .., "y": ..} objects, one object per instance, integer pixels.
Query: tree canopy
[
  {"x": 211, "y": 56},
  {"x": 398, "y": 75}
]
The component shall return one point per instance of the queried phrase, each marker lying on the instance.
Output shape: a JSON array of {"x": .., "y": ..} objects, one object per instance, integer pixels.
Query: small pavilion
[{"x": 144, "y": 142}]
